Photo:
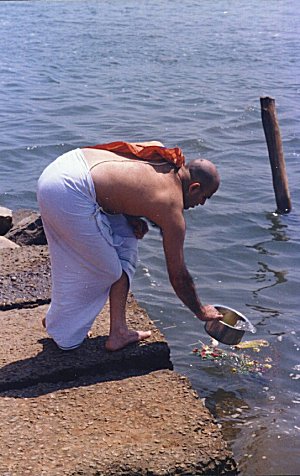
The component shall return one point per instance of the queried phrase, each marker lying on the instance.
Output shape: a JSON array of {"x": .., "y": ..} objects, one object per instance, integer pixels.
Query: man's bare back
[{"x": 135, "y": 187}]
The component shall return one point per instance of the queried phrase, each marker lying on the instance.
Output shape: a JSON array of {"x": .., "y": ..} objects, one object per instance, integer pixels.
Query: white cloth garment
[{"x": 88, "y": 248}]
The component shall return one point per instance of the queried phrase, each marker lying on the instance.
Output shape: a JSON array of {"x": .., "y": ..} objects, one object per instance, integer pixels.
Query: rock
[
  {"x": 5, "y": 243},
  {"x": 20, "y": 214},
  {"x": 5, "y": 220},
  {"x": 28, "y": 231}
]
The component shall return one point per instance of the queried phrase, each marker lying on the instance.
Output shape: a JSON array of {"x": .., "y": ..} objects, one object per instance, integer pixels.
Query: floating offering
[
  {"x": 238, "y": 362},
  {"x": 253, "y": 344},
  {"x": 231, "y": 328}
]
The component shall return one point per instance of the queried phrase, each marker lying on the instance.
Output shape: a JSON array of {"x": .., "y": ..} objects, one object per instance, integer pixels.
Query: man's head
[{"x": 201, "y": 183}]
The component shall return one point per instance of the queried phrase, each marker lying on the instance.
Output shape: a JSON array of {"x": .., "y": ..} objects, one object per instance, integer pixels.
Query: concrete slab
[
  {"x": 148, "y": 425},
  {"x": 29, "y": 356}
]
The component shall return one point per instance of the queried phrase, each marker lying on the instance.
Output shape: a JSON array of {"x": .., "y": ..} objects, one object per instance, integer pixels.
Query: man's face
[{"x": 198, "y": 194}]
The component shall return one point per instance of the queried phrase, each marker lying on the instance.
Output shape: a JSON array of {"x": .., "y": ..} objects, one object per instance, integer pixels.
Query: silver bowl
[{"x": 224, "y": 330}]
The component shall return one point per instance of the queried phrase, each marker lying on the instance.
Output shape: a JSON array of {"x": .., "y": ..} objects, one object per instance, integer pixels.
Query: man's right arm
[{"x": 180, "y": 278}]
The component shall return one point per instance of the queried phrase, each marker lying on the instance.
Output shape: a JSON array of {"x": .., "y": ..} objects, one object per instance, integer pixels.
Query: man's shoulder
[{"x": 169, "y": 209}]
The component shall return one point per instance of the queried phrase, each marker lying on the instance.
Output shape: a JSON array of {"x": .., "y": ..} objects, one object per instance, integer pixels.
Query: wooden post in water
[{"x": 274, "y": 143}]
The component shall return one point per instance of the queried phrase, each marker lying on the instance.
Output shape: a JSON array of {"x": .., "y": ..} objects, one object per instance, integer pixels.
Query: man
[{"x": 91, "y": 201}]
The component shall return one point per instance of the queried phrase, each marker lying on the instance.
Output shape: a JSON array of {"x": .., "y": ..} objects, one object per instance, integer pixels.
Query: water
[
  {"x": 245, "y": 326},
  {"x": 189, "y": 74}
]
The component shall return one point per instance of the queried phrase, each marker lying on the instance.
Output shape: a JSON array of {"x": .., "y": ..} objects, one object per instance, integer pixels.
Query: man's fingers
[{"x": 210, "y": 313}]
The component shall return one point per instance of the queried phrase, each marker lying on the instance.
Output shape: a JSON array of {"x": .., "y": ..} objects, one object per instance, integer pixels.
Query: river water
[{"x": 189, "y": 74}]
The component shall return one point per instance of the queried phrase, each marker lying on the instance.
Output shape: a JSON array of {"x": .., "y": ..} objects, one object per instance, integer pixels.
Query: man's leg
[{"x": 120, "y": 335}]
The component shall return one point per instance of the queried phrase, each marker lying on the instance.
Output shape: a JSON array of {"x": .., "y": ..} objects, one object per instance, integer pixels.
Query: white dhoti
[{"x": 88, "y": 248}]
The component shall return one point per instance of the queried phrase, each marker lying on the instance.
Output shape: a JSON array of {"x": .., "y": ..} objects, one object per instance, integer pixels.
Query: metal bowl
[{"x": 224, "y": 330}]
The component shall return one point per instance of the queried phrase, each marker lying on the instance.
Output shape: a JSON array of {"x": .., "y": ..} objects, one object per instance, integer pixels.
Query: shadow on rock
[{"x": 54, "y": 369}]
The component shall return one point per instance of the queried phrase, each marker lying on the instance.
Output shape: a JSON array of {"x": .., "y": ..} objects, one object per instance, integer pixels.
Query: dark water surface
[{"x": 188, "y": 73}]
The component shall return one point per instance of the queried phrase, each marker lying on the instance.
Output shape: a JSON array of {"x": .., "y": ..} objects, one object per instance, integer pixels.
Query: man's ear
[{"x": 194, "y": 187}]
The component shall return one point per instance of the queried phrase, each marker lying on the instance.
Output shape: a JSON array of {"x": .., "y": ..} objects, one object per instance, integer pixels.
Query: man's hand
[
  {"x": 138, "y": 225},
  {"x": 209, "y": 313}
]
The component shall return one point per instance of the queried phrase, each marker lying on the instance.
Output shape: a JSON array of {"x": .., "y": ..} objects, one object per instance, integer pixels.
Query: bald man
[{"x": 91, "y": 202}]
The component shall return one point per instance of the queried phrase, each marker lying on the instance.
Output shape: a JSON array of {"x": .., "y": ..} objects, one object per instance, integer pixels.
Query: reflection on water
[
  {"x": 277, "y": 229},
  {"x": 265, "y": 272},
  {"x": 264, "y": 312},
  {"x": 262, "y": 275}
]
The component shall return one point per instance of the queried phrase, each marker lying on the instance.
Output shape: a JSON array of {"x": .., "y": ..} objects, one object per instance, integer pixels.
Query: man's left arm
[{"x": 138, "y": 225}]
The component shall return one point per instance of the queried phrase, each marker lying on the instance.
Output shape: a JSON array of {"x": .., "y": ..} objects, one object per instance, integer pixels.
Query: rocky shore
[{"x": 89, "y": 412}]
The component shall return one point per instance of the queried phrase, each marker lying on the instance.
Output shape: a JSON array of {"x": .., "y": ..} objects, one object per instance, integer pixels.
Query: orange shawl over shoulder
[{"x": 150, "y": 153}]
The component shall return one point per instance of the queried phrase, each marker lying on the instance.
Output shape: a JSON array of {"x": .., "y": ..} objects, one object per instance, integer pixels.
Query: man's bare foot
[{"x": 126, "y": 337}]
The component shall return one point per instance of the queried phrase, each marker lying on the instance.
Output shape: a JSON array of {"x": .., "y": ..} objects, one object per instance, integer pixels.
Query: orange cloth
[{"x": 151, "y": 152}]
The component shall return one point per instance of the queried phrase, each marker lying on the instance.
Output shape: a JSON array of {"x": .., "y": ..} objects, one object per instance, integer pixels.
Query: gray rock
[
  {"x": 20, "y": 214},
  {"x": 5, "y": 220},
  {"x": 5, "y": 243},
  {"x": 28, "y": 231}
]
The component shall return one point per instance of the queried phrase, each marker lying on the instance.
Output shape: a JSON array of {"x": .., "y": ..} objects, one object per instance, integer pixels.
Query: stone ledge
[
  {"x": 148, "y": 425},
  {"x": 29, "y": 356},
  {"x": 91, "y": 412}
]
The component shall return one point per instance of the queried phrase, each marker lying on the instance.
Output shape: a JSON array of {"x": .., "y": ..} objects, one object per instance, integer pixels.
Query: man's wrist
[{"x": 200, "y": 313}]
